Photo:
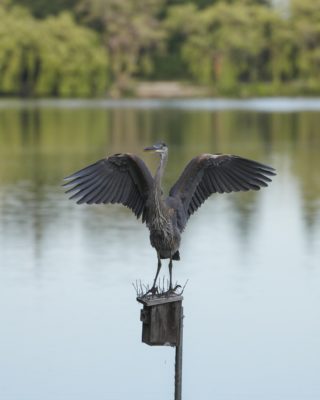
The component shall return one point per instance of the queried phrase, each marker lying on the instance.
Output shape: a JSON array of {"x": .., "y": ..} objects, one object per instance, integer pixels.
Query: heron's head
[{"x": 160, "y": 147}]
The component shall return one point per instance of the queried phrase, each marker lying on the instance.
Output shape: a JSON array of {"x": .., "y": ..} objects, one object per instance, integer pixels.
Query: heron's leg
[
  {"x": 158, "y": 270},
  {"x": 154, "y": 289},
  {"x": 171, "y": 291},
  {"x": 170, "y": 273}
]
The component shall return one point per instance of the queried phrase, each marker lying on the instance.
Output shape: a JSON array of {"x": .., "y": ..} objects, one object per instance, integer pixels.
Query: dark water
[{"x": 70, "y": 324}]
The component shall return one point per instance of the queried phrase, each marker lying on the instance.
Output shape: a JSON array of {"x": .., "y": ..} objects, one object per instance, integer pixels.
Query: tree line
[{"x": 96, "y": 47}]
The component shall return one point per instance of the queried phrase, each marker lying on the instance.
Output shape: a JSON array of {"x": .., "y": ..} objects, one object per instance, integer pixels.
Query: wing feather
[
  {"x": 218, "y": 173},
  {"x": 122, "y": 189},
  {"x": 90, "y": 197},
  {"x": 225, "y": 184},
  {"x": 110, "y": 189},
  {"x": 213, "y": 184},
  {"x": 120, "y": 178},
  {"x": 100, "y": 198},
  {"x": 246, "y": 180},
  {"x": 253, "y": 178},
  {"x": 234, "y": 184},
  {"x": 237, "y": 184},
  {"x": 214, "y": 180}
]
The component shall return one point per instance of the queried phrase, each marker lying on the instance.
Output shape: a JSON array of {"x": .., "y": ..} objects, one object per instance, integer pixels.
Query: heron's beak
[{"x": 150, "y": 148}]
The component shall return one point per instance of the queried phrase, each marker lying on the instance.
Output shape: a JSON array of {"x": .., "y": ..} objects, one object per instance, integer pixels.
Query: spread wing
[
  {"x": 120, "y": 178},
  {"x": 217, "y": 173}
]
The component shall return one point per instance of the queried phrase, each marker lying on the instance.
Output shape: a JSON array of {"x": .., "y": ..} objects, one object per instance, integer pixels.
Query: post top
[{"x": 155, "y": 300}]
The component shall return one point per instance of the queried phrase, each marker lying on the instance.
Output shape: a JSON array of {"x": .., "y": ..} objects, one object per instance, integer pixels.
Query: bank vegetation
[{"x": 90, "y": 48}]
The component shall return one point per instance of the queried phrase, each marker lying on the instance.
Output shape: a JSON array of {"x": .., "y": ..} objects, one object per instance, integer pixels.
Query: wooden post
[
  {"x": 178, "y": 362},
  {"x": 162, "y": 325}
]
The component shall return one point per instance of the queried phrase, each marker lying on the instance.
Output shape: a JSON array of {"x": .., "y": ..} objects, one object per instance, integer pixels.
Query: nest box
[{"x": 161, "y": 320}]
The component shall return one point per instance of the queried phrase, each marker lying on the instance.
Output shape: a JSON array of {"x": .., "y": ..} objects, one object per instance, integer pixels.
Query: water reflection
[{"x": 70, "y": 323}]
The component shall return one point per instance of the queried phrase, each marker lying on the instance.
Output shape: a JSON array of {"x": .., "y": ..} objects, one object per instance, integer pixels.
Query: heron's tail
[{"x": 176, "y": 256}]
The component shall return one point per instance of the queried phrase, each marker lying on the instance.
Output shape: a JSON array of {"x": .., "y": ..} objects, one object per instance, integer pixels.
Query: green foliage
[
  {"x": 231, "y": 40},
  {"x": 305, "y": 25},
  {"x": 236, "y": 47},
  {"x": 49, "y": 57},
  {"x": 131, "y": 32},
  {"x": 231, "y": 43},
  {"x": 44, "y": 8}
]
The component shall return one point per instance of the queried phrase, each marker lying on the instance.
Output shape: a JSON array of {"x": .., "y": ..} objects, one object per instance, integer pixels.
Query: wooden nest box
[{"x": 161, "y": 320}]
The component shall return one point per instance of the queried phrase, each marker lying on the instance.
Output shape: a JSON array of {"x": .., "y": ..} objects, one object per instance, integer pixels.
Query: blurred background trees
[{"x": 94, "y": 47}]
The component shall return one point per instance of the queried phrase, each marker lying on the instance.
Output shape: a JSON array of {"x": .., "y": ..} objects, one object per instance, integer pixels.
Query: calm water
[{"x": 70, "y": 324}]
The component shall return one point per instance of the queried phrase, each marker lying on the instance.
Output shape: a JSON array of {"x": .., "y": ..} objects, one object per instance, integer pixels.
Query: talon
[
  {"x": 153, "y": 291},
  {"x": 172, "y": 291}
]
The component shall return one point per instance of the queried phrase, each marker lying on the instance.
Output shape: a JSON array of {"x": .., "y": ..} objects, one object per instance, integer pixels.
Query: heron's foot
[
  {"x": 172, "y": 291},
  {"x": 153, "y": 291}
]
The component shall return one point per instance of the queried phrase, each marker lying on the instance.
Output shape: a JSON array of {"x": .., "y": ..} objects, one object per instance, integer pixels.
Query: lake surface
[{"x": 70, "y": 324}]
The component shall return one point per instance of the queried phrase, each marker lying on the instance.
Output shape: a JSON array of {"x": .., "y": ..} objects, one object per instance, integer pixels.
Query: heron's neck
[
  {"x": 159, "y": 174},
  {"x": 157, "y": 207}
]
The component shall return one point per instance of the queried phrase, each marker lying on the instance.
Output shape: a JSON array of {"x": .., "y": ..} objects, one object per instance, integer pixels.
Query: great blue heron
[{"x": 125, "y": 178}]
